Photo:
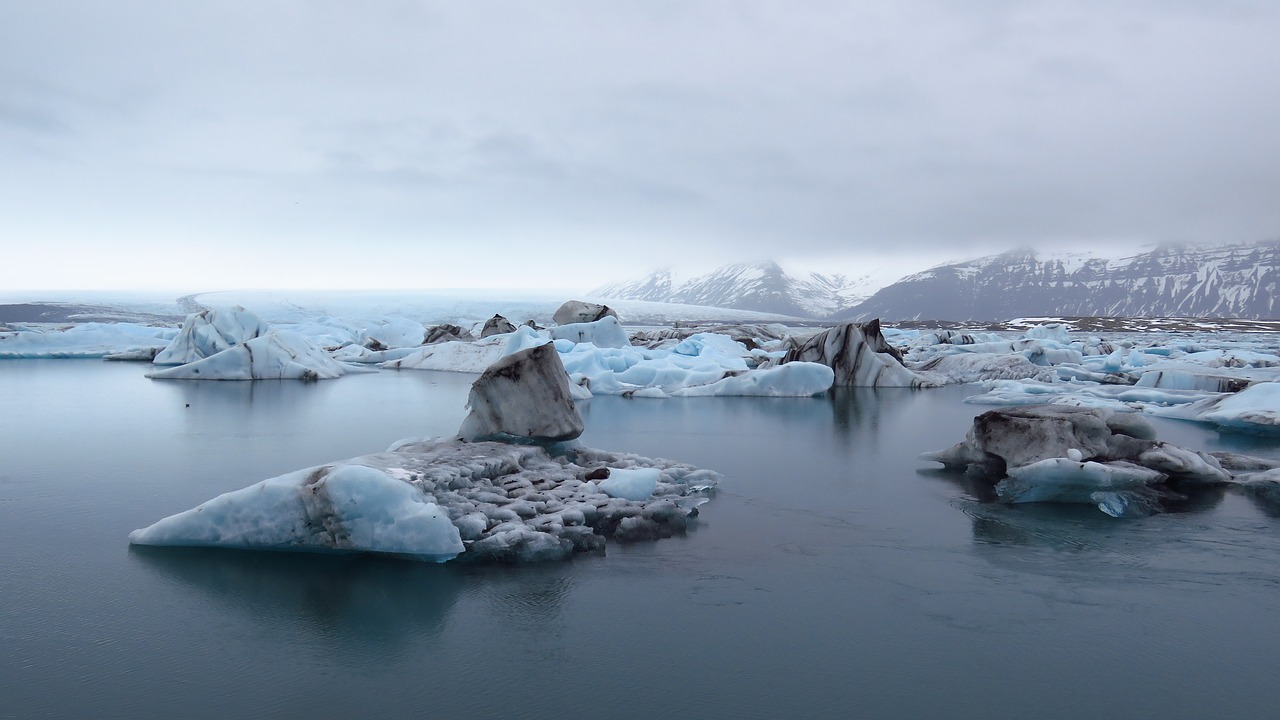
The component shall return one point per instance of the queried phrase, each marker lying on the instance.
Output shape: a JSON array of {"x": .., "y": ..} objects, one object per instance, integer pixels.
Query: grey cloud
[{"x": 697, "y": 128}]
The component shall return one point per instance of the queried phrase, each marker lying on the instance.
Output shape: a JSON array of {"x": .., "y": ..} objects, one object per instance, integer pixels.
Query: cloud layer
[{"x": 406, "y": 144}]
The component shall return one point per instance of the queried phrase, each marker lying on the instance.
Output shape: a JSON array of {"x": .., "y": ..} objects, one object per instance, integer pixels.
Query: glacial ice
[
  {"x": 209, "y": 332},
  {"x": 275, "y": 355},
  {"x": 524, "y": 396},
  {"x": 87, "y": 340},
  {"x": 1053, "y": 453},
  {"x": 630, "y": 483},
  {"x": 346, "y": 507},
  {"x": 859, "y": 355},
  {"x": 606, "y": 332},
  {"x": 1253, "y": 410}
]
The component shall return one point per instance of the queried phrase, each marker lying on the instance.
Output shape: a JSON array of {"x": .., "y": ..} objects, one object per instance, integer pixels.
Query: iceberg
[
  {"x": 209, "y": 332},
  {"x": 606, "y": 333},
  {"x": 859, "y": 355},
  {"x": 577, "y": 311},
  {"x": 332, "y": 508},
  {"x": 276, "y": 355},
  {"x": 524, "y": 396},
  {"x": 1052, "y": 453},
  {"x": 496, "y": 325}
]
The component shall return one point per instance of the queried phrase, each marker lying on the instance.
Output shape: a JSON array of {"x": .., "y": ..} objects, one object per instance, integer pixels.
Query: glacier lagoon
[{"x": 834, "y": 574}]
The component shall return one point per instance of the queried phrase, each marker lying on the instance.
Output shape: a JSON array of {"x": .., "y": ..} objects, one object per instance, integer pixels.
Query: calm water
[{"x": 830, "y": 577}]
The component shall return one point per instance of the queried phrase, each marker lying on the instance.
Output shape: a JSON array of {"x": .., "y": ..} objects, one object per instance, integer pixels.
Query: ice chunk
[
  {"x": 577, "y": 311},
  {"x": 630, "y": 483},
  {"x": 347, "y": 507},
  {"x": 497, "y": 325},
  {"x": 1068, "y": 481},
  {"x": 525, "y": 395},
  {"x": 393, "y": 332},
  {"x": 977, "y": 367},
  {"x": 1050, "y": 453},
  {"x": 1254, "y": 410},
  {"x": 605, "y": 332}
]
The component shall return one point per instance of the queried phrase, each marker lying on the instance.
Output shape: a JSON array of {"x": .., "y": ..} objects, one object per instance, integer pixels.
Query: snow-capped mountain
[
  {"x": 1237, "y": 281},
  {"x": 761, "y": 287}
]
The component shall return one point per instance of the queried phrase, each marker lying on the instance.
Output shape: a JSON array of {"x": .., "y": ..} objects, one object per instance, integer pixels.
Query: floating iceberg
[
  {"x": 859, "y": 355},
  {"x": 276, "y": 355},
  {"x": 209, "y": 332},
  {"x": 1051, "y": 453}
]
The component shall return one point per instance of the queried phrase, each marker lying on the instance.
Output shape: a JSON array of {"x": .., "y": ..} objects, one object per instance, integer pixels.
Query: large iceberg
[
  {"x": 209, "y": 332},
  {"x": 859, "y": 355},
  {"x": 276, "y": 355}
]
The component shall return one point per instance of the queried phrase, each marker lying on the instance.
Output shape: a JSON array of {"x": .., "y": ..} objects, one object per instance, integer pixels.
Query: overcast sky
[{"x": 325, "y": 143}]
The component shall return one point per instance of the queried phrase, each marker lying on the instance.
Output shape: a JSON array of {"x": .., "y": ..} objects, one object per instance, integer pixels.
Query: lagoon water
[{"x": 833, "y": 575}]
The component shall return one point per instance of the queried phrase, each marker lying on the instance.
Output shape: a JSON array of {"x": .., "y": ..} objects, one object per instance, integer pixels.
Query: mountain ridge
[
  {"x": 761, "y": 287},
  {"x": 1173, "y": 280}
]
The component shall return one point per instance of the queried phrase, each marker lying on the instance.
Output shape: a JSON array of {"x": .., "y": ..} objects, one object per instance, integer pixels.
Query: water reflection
[{"x": 370, "y": 603}]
